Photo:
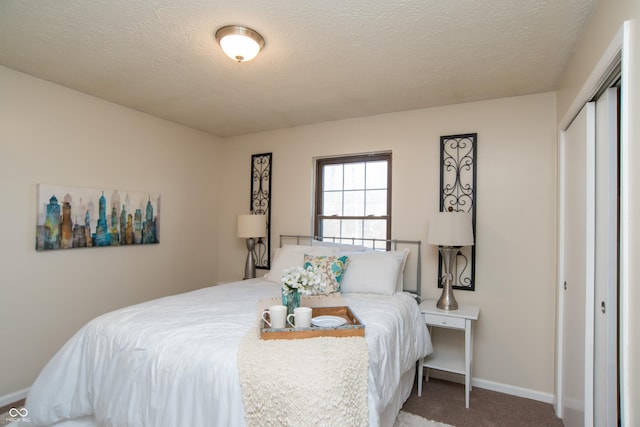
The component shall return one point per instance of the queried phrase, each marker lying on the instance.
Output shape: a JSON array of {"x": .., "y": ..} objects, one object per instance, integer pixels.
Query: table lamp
[
  {"x": 450, "y": 231},
  {"x": 251, "y": 227}
]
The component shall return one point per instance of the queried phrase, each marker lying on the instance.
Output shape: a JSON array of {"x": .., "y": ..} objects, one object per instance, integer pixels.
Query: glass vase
[{"x": 291, "y": 300}]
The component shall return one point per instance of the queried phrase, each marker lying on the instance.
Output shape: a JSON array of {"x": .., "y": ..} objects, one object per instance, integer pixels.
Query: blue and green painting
[{"x": 76, "y": 217}]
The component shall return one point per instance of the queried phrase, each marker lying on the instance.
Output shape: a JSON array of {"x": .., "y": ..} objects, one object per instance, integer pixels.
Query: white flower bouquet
[{"x": 304, "y": 280}]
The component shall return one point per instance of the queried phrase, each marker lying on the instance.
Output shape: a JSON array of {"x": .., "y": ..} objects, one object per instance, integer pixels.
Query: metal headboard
[{"x": 412, "y": 271}]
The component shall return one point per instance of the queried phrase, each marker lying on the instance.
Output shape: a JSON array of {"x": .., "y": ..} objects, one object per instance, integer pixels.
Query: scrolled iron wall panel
[
  {"x": 458, "y": 193},
  {"x": 261, "y": 204}
]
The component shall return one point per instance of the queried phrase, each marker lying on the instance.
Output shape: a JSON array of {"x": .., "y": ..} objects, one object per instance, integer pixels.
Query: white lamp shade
[
  {"x": 251, "y": 226},
  {"x": 450, "y": 229}
]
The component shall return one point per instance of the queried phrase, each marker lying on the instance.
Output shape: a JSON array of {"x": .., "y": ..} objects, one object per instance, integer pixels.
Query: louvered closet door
[{"x": 577, "y": 207}]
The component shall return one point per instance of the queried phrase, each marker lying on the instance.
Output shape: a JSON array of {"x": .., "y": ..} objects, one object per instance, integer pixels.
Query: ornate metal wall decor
[
  {"x": 458, "y": 193},
  {"x": 261, "y": 204}
]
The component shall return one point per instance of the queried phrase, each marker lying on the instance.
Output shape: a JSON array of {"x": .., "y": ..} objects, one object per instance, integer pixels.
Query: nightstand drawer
[{"x": 444, "y": 321}]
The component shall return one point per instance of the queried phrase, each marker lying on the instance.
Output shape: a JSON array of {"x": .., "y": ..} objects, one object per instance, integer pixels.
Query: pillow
[
  {"x": 374, "y": 272},
  {"x": 400, "y": 284},
  {"x": 330, "y": 268},
  {"x": 340, "y": 246},
  {"x": 293, "y": 256}
]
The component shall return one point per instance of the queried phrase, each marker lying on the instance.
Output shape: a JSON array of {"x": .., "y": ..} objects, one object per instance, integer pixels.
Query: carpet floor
[{"x": 443, "y": 401}]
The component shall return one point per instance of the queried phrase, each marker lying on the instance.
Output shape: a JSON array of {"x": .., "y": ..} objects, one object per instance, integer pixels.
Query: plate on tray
[{"x": 328, "y": 321}]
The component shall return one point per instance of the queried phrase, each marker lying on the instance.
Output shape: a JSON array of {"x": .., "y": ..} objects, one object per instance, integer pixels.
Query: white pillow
[
  {"x": 400, "y": 284},
  {"x": 342, "y": 247},
  {"x": 289, "y": 256},
  {"x": 374, "y": 272}
]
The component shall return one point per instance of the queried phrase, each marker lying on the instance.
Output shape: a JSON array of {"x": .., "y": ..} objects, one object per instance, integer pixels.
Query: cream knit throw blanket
[{"x": 304, "y": 382}]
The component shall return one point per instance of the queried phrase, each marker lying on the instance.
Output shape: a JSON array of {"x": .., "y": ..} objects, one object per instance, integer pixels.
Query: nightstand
[{"x": 443, "y": 358}]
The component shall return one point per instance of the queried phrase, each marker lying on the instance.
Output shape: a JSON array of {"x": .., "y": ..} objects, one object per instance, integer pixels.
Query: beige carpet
[{"x": 444, "y": 401}]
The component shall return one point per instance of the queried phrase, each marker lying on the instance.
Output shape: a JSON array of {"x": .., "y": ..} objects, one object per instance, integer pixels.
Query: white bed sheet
[{"x": 172, "y": 361}]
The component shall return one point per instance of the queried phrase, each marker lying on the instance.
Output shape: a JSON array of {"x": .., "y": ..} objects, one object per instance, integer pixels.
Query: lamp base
[
  {"x": 447, "y": 301},
  {"x": 250, "y": 263}
]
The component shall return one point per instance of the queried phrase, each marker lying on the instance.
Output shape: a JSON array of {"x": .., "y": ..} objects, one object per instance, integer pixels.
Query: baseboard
[
  {"x": 10, "y": 398},
  {"x": 494, "y": 386}
]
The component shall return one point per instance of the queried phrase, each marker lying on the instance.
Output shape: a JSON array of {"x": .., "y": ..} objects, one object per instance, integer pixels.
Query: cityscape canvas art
[{"x": 77, "y": 217}]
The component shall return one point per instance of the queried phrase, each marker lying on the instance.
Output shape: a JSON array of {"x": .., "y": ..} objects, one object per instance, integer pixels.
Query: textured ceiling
[{"x": 323, "y": 60}]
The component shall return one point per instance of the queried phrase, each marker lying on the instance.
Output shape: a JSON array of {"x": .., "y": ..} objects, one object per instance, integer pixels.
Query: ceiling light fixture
[{"x": 239, "y": 43}]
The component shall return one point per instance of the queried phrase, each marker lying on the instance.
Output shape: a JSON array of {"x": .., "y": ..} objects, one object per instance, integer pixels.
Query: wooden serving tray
[{"x": 353, "y": 327}]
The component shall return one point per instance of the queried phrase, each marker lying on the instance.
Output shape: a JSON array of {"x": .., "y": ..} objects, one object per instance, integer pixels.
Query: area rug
[{"x": 406, "y": 419}]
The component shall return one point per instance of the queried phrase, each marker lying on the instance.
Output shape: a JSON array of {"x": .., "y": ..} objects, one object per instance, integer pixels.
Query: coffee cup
[
  {"x": 277, "y": 316},
  {"x": 301, "y": 317}
]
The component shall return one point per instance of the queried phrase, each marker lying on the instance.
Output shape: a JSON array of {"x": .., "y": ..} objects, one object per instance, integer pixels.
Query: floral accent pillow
[
  {"x": 290, "y": 256},
  {"x": 330, "y": 268}
]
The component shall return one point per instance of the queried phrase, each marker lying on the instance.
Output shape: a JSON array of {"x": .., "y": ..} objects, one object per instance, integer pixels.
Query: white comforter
[{"x": 172, "y": 361}]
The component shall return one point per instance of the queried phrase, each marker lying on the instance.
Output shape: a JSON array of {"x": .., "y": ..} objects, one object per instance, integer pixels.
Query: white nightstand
[{"x": 450, "y": 359}]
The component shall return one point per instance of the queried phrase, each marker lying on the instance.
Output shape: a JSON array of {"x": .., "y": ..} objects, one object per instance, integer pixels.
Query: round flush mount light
[{"x": 239, "y": 43}]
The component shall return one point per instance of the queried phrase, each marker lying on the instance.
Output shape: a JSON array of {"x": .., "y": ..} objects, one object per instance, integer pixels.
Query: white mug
[
  {"x": 302, "y": 317},
  {"x": 277, "y": 316}
]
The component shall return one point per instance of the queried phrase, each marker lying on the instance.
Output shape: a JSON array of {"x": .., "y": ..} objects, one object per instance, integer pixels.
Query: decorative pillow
[
  {"x": 292, "y": 256},
  {"x": 374, "y": 272},
  {"x": 330, "y": 268}
]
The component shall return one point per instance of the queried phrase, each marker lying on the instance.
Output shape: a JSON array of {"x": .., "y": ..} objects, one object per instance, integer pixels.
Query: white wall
[
  {"x": 516, "y": 228},
  {"x": 604, "y": 23},
  {"x": 50, "y": 134}
]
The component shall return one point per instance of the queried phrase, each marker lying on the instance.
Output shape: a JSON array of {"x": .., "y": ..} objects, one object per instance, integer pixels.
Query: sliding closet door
[
  {"x": 606, "y": 264},
  {"x": 577, "y": 209}
]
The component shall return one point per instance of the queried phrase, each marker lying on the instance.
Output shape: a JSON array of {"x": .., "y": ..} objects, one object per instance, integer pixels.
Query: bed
[{"x": 173, "y": 361}]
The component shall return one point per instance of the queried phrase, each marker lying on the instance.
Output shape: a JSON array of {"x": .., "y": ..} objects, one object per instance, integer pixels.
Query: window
[{"x": 353, "y": 198}]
